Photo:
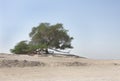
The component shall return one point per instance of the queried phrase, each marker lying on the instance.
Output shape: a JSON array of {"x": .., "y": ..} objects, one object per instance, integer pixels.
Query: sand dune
[{"x": 57, "y": 68}]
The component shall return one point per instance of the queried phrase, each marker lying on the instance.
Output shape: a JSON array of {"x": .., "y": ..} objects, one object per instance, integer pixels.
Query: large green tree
[{"x": 46, "y": 36}]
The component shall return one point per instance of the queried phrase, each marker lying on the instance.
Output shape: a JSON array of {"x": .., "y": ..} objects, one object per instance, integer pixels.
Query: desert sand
[{"x": 57, "y": 68}]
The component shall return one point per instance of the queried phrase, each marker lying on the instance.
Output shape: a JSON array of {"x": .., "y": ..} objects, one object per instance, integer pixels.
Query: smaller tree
[{"x": 21, "y": 48}]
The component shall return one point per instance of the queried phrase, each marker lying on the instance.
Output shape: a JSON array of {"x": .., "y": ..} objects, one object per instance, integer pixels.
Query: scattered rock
[
  {"x": 2, "y": 57},
  {"x": 116, "y": 64},
  {"x": 17, "y": 63},
  {"x": 71, "y": 64}
]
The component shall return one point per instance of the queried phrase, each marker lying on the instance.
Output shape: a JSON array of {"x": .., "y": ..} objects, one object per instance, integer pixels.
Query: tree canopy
[
  {"x": 21, "y": 48},
  {"x": 46, "y": 36}
]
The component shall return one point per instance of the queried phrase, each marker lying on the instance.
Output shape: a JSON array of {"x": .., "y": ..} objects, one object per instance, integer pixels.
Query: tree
[
  {"x": 46, "y": 36},
  {"x": 21, "y": 48}
]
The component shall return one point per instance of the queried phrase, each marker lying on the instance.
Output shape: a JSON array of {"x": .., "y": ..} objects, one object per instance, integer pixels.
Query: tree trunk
[{"x": 46, "y": 50}]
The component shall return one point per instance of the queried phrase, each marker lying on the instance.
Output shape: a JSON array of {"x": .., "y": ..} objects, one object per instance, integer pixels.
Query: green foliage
[
  {"x": 21, "y": 48},
  {"x": 44, "y": 37},
  {"x": 50, "y": 36}
]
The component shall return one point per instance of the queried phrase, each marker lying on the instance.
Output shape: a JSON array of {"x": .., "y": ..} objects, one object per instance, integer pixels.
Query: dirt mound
[
  {"x": 61, "y": 55},
  {"x": 25, "y": 63},
  {"x": 71, "y": 64},
  {"x": 17, "y": 63}
]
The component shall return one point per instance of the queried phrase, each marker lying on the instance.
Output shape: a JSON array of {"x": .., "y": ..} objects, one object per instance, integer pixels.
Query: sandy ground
[{"x": 56, "y": 69}]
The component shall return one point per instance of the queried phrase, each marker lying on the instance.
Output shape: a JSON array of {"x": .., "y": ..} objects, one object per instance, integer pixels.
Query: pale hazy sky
[{"x": 94, "y": 24}]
